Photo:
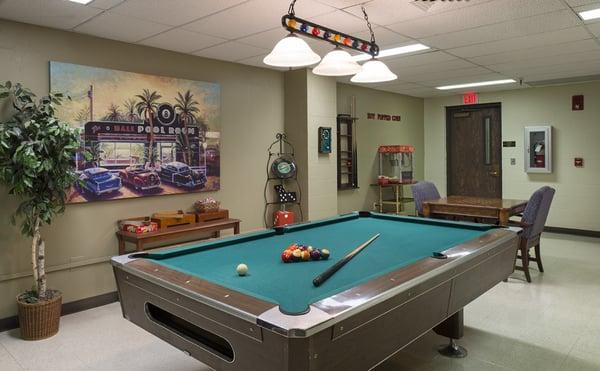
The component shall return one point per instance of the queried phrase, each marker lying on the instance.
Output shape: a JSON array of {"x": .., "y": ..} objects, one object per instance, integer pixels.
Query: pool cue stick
[{"x": 334, "y": 268}]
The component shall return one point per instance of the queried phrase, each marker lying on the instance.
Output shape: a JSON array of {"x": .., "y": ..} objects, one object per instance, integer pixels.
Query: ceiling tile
[
  {"x": 242, "y": 20},
  {"x": 172, "y": 12},
  {"x": 181, "y": 40},
  {"x": 537, "y": 52},
  {"x": 521, "y": 67},
  {"x": 531, "y": 41},
  {"x": 582, "y": 2},
  {"x": 105, "y": 4},
  {"x": 384, "y": 12},
  {"x": 515, "y": 28},
  {"x": 341, "y": 21},
  {"x": 50, "y": 13},
  {"x": 475, "y": 16},
  {"x": 418, "y": 59},
  {"x": 385, "y": 38},
  {"x": 456, "y": 64},
  {"x": 340, "y": 4},
  {"x": 231, "y": 51},
  {"x": 424, "y": 78},
  {"x": 594, "y": 28},
  {"x": 559, "y": 65},
  {"x": 120, "y": 27},
  {"x": 265, "y": 39},
  {"x": 257, "y": 61}
]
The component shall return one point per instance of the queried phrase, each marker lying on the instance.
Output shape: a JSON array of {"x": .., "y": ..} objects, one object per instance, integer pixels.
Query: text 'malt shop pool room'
[{"x": 300, "y": 185}]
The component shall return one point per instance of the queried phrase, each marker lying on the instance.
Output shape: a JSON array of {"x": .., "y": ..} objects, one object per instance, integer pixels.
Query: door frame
[{"x": 452, "y": 109}]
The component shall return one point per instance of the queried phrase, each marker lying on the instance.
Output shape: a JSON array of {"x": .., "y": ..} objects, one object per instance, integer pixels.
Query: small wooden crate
[{"x": 166, "y": 219}]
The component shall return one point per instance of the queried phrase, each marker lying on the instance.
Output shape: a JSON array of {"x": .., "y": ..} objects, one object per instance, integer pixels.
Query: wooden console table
[{"x": 173, "y": 233}]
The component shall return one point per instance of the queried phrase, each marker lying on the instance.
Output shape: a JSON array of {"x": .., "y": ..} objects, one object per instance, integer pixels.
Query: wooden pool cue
[{"x": 334, "y": 268}]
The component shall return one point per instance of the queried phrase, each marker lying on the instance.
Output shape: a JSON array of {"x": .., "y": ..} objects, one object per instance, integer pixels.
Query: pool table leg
[{"x": 452, "y": 328}]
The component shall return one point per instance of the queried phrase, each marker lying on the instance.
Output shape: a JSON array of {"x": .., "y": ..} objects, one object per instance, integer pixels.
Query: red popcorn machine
[{"x": 396, "y": 163}]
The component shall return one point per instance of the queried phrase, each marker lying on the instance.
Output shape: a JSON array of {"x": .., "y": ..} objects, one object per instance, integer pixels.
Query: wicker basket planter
[{"x": 40, "y": 320}]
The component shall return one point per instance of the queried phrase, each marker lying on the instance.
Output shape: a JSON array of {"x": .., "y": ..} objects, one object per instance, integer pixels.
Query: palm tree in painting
[
  {"x": 113, "y": 113},
  {"x": 187, "y": 108},
  {"x": 146, "y": 107},
  {"x": 83, "y": 115},
  {"x": 130, "y": 110}
]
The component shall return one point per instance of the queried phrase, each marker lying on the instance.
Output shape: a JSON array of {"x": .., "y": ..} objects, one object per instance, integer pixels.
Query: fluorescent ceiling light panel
[
  {"x": 476, "y": 84},
  {"x": 590, "y": 14},
  {"x": 393, "y": 51},
  {"x": 84, "y": 2}
]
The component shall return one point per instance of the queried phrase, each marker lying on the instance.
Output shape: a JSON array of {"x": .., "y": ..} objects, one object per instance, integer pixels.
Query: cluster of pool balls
[{"x": 299, "y": 253}]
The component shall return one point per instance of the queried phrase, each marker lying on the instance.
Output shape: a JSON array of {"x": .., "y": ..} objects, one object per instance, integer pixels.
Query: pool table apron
[{"x": 355, "y": 329}]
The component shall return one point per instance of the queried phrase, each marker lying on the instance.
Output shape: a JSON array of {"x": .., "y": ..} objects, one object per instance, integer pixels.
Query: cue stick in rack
[{"x": 321, "y": 278}]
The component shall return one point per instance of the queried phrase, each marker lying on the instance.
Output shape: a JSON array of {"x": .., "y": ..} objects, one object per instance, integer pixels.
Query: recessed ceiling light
[
  {"x": 393, "y": 51},
  {"x": 590, "y": 14},
  {"x": 476, "y": 84},
  {"x": 84, "y": 2}
]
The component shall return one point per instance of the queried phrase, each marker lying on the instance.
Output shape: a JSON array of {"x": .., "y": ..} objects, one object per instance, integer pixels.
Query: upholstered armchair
[
  {"x": 532, "y": 222},
  {"x": 423, "y": 191}
]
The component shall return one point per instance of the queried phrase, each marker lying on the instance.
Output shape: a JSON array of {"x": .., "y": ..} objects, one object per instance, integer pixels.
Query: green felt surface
[{"x": 403, "y": 241}]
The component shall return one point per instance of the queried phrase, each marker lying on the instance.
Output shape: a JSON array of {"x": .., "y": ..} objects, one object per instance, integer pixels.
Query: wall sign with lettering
[{"x": 383, "y": 117}]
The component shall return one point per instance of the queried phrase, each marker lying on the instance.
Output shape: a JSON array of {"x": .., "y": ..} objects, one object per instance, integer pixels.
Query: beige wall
[
  {"x": 310, "y": 102},
  {"x": 373, "y": 133},
  {"x": 575, "y": 134},
  {"x": 251, "y": 113}
]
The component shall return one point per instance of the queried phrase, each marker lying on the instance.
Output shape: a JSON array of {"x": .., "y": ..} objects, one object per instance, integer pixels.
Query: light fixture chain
[
  {"x": 291, "y": 10},
  {"x": 368, "y": 24}
]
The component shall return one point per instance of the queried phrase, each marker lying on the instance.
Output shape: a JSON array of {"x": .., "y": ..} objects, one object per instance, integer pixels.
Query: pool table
[{"x": 274, "y": 318}]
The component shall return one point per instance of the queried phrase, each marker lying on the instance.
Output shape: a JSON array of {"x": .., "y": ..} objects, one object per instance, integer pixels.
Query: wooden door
[{"x": 474, "y": 150}]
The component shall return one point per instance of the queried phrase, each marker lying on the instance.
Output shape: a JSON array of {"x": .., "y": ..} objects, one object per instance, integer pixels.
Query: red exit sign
[{"x": 470, "y": 98}]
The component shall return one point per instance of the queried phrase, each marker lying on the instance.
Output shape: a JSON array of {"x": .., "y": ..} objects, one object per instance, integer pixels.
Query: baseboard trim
[
  {"x": 573, "y": 231},
  {"x": 10, "y": 323}
]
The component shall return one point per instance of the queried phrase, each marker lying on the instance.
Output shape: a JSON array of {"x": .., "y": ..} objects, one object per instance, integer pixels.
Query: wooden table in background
[
  {"x": 177, "y": 232},
  {"x": 475, "y": 207}
]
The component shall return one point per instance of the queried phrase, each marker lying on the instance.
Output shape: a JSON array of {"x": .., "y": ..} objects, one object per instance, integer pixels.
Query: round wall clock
[{"x": 284, "y": 167}]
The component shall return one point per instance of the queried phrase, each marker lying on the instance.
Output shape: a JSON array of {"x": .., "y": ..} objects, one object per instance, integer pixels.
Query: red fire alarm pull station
[
  {"x": 470, "y": 98},
  {"x": 577, "y": 104},
  {"x": 578, "y": 162}
]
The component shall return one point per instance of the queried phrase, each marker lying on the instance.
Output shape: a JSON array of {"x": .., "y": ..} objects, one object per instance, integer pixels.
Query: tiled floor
[{"x": 550, "y": 324}]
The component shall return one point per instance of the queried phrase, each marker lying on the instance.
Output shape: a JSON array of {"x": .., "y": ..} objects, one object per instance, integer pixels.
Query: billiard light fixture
[
  {"x": 337, "y": 62},
  {"x": 476, "y": 84},
  {"x": 590, "y": 14}
]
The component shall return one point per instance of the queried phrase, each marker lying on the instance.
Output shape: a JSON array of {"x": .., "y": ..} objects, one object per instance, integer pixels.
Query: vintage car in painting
[
  {"x": 138, "y": 177},
  {"x": 98, "y": 181},
  {"x": 181, "y": 175}
]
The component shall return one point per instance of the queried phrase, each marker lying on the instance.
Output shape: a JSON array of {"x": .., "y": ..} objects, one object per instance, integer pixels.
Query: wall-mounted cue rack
[{"x": 347, "y": 167}]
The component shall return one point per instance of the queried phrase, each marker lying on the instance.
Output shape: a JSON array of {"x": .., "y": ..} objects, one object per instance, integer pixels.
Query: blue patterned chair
[
  {"x": 424, "y": 191},
  {"x": 533, "y": 221}
]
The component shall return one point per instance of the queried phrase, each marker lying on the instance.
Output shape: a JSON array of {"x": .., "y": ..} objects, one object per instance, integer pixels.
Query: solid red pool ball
[{"x": 286, "y": 256}]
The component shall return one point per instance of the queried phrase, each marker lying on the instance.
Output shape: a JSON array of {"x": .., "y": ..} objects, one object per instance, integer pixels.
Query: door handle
[{"x": 494, "y": 173}]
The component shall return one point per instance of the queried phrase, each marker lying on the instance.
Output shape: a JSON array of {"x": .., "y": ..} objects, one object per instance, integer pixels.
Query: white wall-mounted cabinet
[{"x": 538, "y": 149}]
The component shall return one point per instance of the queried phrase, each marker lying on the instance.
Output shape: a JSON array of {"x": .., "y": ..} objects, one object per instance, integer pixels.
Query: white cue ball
[{"x": 242, "y": 269}]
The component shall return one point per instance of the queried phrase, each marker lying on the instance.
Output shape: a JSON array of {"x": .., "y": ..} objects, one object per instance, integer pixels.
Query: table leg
[
  {"x": 426, "y": 210},
  {"x": 380, "y": 199},
  {"x": 236, "y": 228},
  {"x": 139, "y": 246},
  {"x": 452, "y": 328},
  {"x": 503, "y": 217},
  {"x": 121, "y": 246}
]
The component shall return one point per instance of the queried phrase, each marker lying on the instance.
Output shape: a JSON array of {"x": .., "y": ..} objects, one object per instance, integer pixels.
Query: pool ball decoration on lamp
[{"x": 292, "y": 51}]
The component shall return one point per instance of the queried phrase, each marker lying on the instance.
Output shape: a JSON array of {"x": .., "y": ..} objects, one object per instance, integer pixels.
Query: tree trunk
[
  {"x": 41, "y": 279},
  {"x": 151, "y": 140},
  {"x": 34, "y": 253}
]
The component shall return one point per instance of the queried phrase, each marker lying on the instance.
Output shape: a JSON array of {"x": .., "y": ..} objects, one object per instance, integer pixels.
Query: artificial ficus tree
[{"x": 37, "y": 153}]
